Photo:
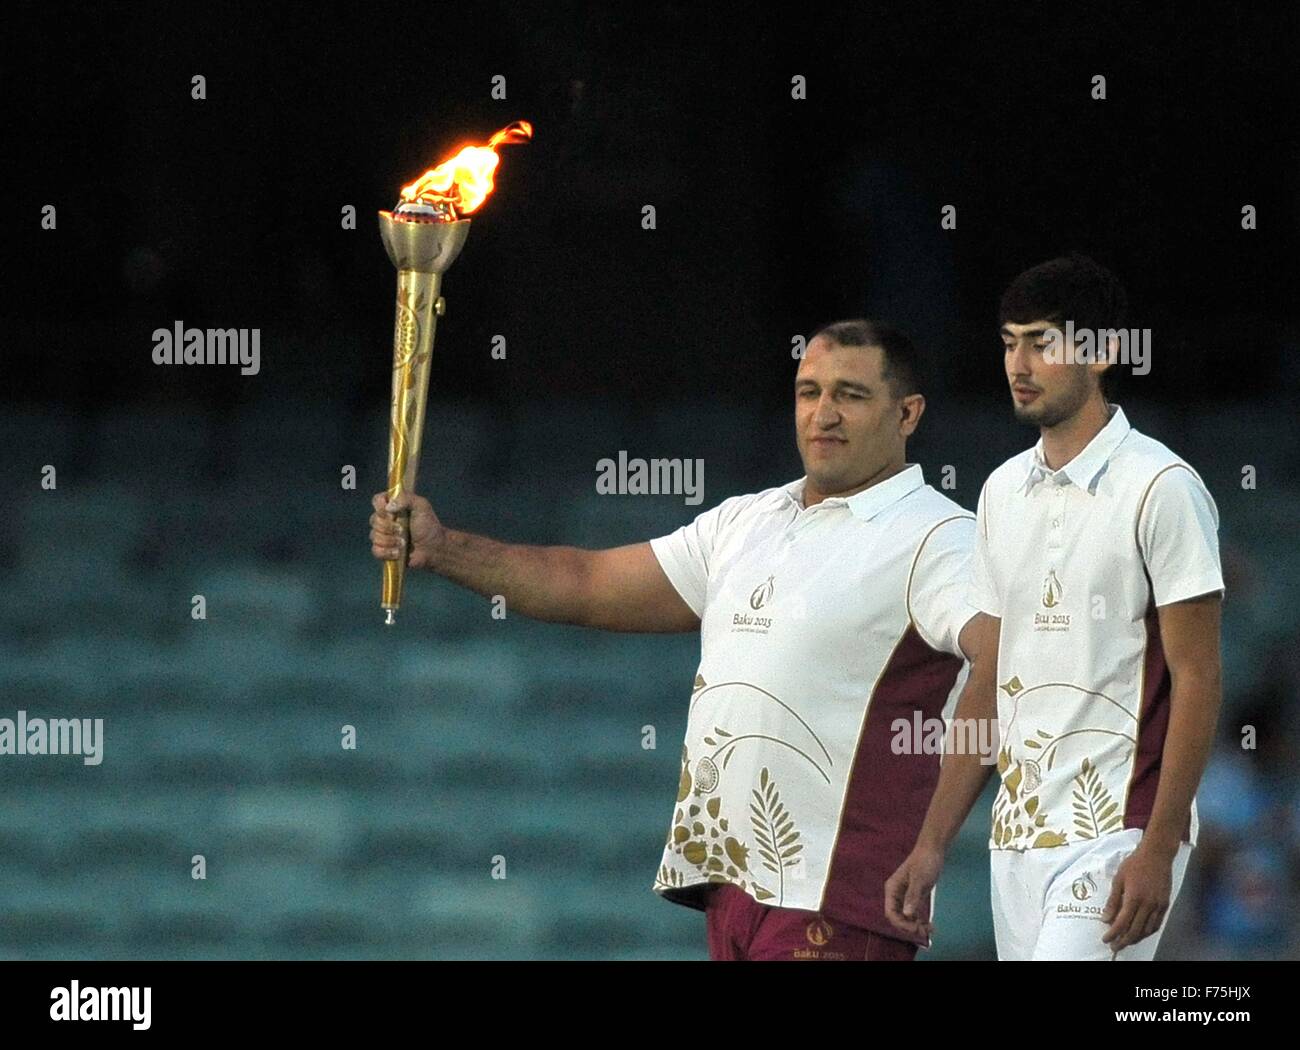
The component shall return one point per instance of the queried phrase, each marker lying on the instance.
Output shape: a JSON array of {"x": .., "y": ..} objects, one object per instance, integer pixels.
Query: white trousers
[{"x": 1047, "y": 903}]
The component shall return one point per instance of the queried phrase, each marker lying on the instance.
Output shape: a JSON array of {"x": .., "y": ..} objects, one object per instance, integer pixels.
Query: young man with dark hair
[{"x": 1097, "y": 563}]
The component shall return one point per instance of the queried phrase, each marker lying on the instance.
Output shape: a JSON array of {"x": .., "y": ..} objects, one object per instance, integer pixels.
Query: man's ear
[
  {"x": 912, "y": 408},
  {"x": 1104, "y": 362}
]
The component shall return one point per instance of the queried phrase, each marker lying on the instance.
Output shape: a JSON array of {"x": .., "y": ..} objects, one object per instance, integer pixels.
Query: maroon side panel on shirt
[
  {"x": 887, "y": 794},
  {"x": 1153, "y": 723}
]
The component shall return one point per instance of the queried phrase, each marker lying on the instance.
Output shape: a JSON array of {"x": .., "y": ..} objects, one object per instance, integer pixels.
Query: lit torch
[{"x": 423, "y": 235}]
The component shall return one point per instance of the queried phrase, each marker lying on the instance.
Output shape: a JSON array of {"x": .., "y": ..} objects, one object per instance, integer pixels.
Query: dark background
[
  {"x": 773, "y": 215},
  {"x": 483, "y": 737}
]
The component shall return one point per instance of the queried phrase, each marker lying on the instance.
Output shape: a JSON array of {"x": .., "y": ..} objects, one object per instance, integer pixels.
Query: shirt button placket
[{"x": 1056, "y": 523}]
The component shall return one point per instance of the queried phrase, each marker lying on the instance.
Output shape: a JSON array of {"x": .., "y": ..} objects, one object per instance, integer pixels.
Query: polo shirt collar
[
  {"x": 870, "y": 501},
  {"x": 1087, "y": 467}
]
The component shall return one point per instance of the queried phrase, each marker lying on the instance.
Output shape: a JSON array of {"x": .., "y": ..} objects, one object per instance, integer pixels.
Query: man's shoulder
[
  {"x": 927, "y": 507},
  {"x": 1144, "y": 457},
  {"x": 930, "y": 521},
  {"x": 747, "y": 503},
  {"x": 1009, "y": 475},
  {"x": 1152, "y": 474}
]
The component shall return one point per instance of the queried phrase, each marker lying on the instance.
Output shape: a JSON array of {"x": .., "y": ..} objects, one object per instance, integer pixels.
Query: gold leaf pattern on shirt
[
  {"x": 1018, "y": 820},
  {"x": 774, "y": 831},
  {"x": 704, "y": 840},
  {"x": 698, "y": 837},
  {"x": 684, "y": 782},
  {"x": 1095, "y": 812}
]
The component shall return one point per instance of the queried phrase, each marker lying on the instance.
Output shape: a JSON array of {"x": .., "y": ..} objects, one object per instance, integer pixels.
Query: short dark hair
[
  {"x": 1070, "y": 287},
  {"x": 901, "y": 365}
]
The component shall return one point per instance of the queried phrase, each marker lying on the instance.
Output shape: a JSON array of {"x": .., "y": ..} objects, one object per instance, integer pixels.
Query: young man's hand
[{"x": 1139, "y": 897}]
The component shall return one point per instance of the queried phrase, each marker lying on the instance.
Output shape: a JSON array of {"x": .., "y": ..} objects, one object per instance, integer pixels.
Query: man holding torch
[{"x": 831, "y": 611}]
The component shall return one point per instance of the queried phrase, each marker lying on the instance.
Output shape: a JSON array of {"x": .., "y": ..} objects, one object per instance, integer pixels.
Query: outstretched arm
[{"x": 617, "y": 589}]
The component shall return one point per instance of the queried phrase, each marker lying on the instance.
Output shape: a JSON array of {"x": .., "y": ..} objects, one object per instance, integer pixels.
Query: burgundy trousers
[{"x": 741, "y": 929}]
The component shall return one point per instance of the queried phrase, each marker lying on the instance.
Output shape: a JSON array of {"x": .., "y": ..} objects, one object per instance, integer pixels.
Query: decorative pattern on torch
[{"x": 407, "y": 360}]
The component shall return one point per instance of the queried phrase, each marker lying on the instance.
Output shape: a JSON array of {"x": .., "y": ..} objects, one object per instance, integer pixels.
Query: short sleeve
[
  {"x": 1178, "y": 534},
  {"x": 936, "y": 587},
  {"x": 686, "y": 555},
  {"x": 982, "y": 594}
]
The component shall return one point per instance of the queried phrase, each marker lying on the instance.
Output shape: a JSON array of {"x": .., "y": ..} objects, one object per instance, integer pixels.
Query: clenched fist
[{"x": 386, "y": 540}]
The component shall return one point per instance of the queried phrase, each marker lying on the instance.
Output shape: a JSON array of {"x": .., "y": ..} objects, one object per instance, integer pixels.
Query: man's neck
[
  {"x": 812, "y": 495},
  {"x": 1068, "y": 438}
]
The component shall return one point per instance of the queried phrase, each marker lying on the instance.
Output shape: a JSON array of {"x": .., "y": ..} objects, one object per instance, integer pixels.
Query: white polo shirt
[
  {"x": 819, "y": 627},
  {"x": 1075, "y": 562}
]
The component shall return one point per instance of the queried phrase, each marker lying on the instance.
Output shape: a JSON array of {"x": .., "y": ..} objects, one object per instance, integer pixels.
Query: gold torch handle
[
  {"x": 393, "y": 587},
  {"x": 418, "y": 307}
]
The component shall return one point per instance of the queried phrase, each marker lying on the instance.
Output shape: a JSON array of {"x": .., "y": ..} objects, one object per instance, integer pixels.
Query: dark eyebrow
[
  {"x": 840, "y": 383},
  {"x": 1027, "y": 331}
]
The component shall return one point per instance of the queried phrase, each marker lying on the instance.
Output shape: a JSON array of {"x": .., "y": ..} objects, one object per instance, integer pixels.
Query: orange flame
[{"x": 465, "y": 180}]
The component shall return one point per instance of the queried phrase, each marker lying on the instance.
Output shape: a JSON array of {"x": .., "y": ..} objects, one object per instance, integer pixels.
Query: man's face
[
  {"x": 848, "y": 425},
  {"x": 1043, "y": 392}
]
